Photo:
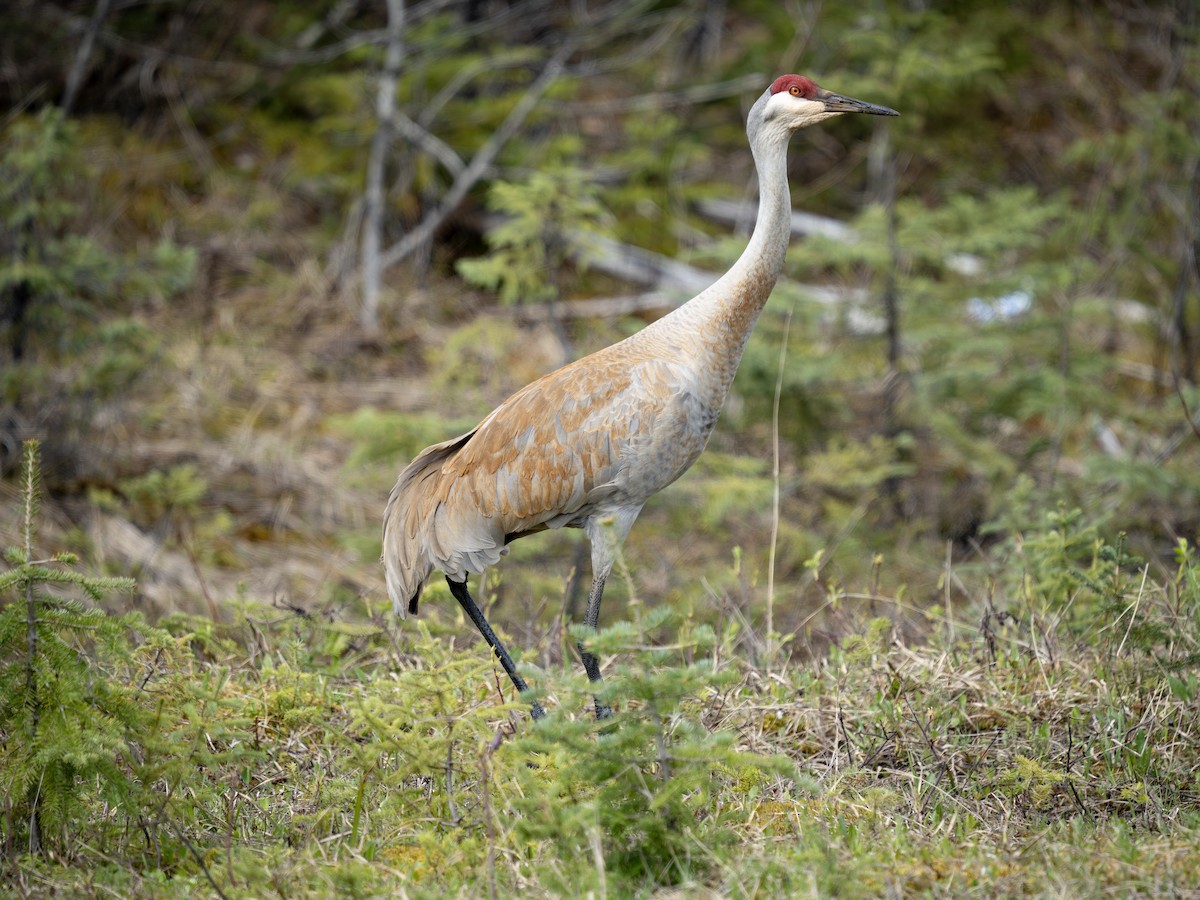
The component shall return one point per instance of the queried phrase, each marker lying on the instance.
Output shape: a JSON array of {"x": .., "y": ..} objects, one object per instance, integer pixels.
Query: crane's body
[{"x": 588, "y": 444}]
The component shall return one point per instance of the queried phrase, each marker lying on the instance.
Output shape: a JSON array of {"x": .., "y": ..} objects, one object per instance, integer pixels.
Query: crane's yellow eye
[{"x": 794, "y": 90}]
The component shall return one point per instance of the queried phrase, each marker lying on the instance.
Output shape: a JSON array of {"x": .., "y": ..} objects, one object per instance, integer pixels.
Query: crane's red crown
[{"x": 796, "y": 85}]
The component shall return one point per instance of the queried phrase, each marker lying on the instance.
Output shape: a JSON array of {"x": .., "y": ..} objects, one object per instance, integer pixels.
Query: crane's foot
[{"x": 603, "y": 710}]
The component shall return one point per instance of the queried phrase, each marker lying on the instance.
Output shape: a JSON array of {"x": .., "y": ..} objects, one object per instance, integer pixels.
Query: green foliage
[
  {"x": 44, "y": 186},
  {"x": 314, "y": 757},
  {"x": 646, "y": 797},
  {"x": 482, "y": 361},
  {"x": 171, "y": 502},
  {"x": 67, "y": 711},
  {"x": 1067, "y": 575},
  {"x": 848, "y": 467},
  {"x": 162, "y": 493},
  {"x": 1031, "y": 778},
  {"x": 650, "y": 203},
  {"x": 64, "y": 293},
  {"x": 548, "y": 219},
  {"x": 379, "y": 435},
  {"x": 723, "y": 486},
  {"x": 1068, "y": 565},
  {"x": 933, "y": 59},
  {"x": 1146, "y": 165}
]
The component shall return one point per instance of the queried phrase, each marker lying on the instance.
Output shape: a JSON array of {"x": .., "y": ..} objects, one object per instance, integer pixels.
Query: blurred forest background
[
  {"x": 925, "y": 617},
  {"x": 252, "y": 261}
]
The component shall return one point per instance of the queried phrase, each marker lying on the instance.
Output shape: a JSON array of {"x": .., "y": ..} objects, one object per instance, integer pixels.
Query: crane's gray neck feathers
[{"x": 719, "y": 320}]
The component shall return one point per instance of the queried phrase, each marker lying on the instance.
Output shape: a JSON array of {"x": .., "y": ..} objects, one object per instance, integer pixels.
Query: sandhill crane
[{"x": 587, "y": 445}]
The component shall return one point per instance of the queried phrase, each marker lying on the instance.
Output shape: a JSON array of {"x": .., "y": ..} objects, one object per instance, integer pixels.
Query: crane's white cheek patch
[{"x": 795, "y": 109}]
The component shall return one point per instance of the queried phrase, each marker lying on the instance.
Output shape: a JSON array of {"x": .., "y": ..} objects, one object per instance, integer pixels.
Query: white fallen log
[{"x": 741, "y": 214}]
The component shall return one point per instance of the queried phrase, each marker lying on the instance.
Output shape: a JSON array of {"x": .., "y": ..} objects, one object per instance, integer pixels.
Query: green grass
[{"x": 1043, "y": 742}]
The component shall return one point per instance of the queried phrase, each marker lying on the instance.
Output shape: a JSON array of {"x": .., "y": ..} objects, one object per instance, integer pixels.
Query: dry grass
[{"x": 332, "y": 758}]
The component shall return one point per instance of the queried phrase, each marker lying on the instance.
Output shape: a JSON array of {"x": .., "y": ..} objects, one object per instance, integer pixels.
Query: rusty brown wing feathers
[{"x": 543, "y": 459}]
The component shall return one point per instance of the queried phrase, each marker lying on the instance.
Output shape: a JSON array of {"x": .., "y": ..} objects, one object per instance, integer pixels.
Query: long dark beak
[{"x": 837, "y": 103}]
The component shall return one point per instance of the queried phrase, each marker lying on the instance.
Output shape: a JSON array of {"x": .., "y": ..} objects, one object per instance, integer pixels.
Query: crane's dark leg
[
  {"x": 591, "y": 664},
  {"x": 463, "y": 596},
  {"x": 605, "y": 534}
]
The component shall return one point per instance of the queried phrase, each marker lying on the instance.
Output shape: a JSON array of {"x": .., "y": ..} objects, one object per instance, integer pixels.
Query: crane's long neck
[
  {"x": 731, "y": 306},
  {"x": 718, "y": 322}
]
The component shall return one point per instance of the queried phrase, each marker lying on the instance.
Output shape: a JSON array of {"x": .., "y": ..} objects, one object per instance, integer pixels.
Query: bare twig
[
  {"x": 1187, "y": 412},
  {"x": 32, "y": 696},
  {"x": 150, "y": 670},
  {"x": 1133, "y": 609},
  {"x": 429, "y": 142},
  {"x": 485, "y": 782},
  {"x": 191, "y": 848},
  {"x": 83, "y": 55},
  {"x": 689, "y": 96},
  {"x": 334, "y": 19},
  {"x": 850, "y": 745},
  {"x": 450, "y": 804},
  {"x": 483, "y": 159}
]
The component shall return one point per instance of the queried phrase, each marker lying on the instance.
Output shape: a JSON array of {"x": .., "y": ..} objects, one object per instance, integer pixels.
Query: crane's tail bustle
[
  {"x": 408, "y": 558},
  {"x": 406, "y": 563}
]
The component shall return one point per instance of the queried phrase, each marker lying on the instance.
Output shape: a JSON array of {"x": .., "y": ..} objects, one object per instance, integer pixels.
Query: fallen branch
[{"x": 741, "y": 214}]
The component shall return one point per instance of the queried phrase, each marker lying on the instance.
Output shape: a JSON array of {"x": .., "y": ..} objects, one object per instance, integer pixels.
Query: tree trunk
[{"x": 373, "y": 194}]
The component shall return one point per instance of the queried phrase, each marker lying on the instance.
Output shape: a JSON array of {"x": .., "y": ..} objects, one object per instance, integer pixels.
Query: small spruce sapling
[{"x": 64, "y": 721}]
